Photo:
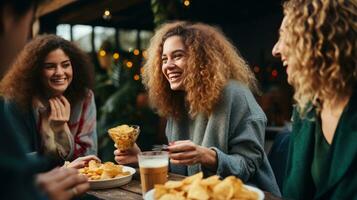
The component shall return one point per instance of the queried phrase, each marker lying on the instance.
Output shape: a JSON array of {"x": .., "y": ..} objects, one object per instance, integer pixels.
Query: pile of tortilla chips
[
  {"x": 195, "y": 187},
  {"x": 99, "y": 171},
  {"x": 124, "y": 136}
]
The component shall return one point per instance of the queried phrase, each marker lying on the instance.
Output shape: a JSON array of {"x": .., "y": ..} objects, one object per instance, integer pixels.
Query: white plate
[
  {"x": 150, "y": 194},
  {"x": 114, "y": 182}
]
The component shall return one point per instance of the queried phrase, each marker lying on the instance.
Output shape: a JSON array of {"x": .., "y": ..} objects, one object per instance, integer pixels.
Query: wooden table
[{"x": 132, "y": 191}]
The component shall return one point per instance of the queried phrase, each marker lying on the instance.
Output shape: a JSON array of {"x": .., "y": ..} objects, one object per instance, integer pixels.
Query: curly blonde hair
[
  {"x": 212, "y": 61},
  {"x": 23, "y": 81},
  {"x": 322, "y": 42}
]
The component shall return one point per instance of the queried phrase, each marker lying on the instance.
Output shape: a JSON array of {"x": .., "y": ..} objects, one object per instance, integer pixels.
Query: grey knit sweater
[{"x": 235, "y": 130}]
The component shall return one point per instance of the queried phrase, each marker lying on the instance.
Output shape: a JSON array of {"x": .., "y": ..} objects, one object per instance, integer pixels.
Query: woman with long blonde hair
[
  {"x": 318, "y": 45},
  {"x": 197, "y": 80}
]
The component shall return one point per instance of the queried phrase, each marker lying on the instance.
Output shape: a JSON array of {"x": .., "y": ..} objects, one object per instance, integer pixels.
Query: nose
[
  {"x": 59, "y": 70},
  {"x": 169, "y": 64},
  {"x": 276, "y": 50}
]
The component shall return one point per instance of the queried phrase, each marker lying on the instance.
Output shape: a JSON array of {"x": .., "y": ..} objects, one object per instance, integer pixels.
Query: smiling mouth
[
  {"x": 59, "y": 81},
  {"x": 174, "y": 76}
]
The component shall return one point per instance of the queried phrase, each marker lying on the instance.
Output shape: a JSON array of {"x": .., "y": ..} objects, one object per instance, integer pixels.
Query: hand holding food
[
  {"x": 129, "y": 156},
  {"x": 81, "y": 162}
]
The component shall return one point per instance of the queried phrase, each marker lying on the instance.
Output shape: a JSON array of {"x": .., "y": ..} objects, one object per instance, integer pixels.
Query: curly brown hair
[
  {"x": 321, "y": 36},
  {"x": 212, "y": 61},
  {"x": 23, "y": 81}
]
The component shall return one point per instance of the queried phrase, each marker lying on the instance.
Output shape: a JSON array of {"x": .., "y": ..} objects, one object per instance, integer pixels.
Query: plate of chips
[
  {"x": 107, "y": 175},
  {"x": 196, "y": 187}
]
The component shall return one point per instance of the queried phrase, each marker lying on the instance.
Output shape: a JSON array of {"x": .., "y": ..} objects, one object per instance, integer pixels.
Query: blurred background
[{"x": 116, "y": 33}]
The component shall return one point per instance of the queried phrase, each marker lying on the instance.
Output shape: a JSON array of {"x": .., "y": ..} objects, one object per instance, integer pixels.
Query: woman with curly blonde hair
[
  {"x": 48, "y": 96},
  {"x": 197, "y": 80},
  {"x": 318, "y": 45}
]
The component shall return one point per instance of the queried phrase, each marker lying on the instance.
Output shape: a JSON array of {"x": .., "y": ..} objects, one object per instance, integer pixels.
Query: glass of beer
[{"x": 153, "y": 169}]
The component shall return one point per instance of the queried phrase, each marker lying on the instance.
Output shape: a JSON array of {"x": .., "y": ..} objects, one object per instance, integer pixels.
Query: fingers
[
  {"x": 81, "y": 188},
  {"x": 117, "y": 152},
  {"x": 78, "y": 164},
  {"x": 183, "y": 162},
  {"x": 89, "y": 158},
  {"x": 183, "y": 155},
  {"x": 65, "y": 101},
  {"x": 53, "y": 109},
  {"x": 180, "y": 146},
  {"x": 72, "y": 180}
]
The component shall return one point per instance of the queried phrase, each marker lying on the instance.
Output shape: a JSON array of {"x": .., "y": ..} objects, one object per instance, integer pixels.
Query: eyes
[
  {"x": 175, "y": 56},
  {"x": 50, "y": 66}
]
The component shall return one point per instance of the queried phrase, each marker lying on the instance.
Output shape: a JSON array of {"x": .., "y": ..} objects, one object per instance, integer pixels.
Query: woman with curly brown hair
[
  {"x": 48, "y": 93},
  {"x": 318, "y": 45},
  {"x": 197, "y": 80}
]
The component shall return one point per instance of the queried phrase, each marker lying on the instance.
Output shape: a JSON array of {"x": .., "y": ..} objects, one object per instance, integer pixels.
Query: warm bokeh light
[
  {"x": 142, "y": 70},
  {"x": 186, "y": 3},
  {"x": 116, "y": 56},
  {"x": 256, "y": 69},
  {"x": 274, "y": 73},
  {"x": 129, "y": 64},
  {"x": 102, "y": 53},
  {"x": 145, "y": 54},
  {"x": 106, "y": 12},
  {"x": 136, "y": 77},
  {"x": 136, "y": 52}
]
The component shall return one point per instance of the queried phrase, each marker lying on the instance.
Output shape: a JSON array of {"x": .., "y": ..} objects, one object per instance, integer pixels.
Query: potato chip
[
  {"x": 171, "y": 197},
  {"x": 98, "y": 171},
  {"x": 173, "y": 184},
  {"x": 197, "y": 191},
  {"x": 197, "y": 188},
  {"x": 124, "y": 136}
]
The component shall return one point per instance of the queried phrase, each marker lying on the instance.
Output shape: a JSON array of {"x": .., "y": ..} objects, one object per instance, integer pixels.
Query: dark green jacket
[{"x": 340, "y": 171}]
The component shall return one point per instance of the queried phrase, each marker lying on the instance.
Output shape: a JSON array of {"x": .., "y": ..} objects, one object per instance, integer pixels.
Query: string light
[
  {"x": 136, "y": 77},
  {"x": 129, "y": 64},
  {"x": 102, "y": 53},
  {"x": 107, "y": 15},
  {"x": 186, "y": 3},
  {"x": 116, "y": 56},
  {"x": 256, "y": 69},
  {"x": 136, "y": 52}
]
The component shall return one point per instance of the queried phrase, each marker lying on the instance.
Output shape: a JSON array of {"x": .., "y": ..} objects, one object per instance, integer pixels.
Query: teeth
[{"x": 174, "y": 75}]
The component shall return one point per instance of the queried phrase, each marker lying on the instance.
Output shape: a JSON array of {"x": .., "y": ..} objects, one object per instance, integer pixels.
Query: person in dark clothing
[{"x": 20, "y": 174}]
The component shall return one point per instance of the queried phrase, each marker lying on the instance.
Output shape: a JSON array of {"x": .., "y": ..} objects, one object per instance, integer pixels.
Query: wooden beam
[
  {"x": 51, "y": 6},
  {"x": 92, "y": 11}
]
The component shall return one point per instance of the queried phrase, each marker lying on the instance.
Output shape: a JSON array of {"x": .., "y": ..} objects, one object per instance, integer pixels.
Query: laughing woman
[
  {"x": 318, "y": 45},
  {"x": 198, "y": 81},
  {"x": 48, "y": 95}
]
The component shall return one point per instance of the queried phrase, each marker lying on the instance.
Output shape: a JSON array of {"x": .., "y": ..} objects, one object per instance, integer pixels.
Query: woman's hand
[
  {"x": 62, "y": 183},
  {"x": 82, "y": 161},
  {"x": 127, "y": 157},
  {"x": 185, "y": 152},
  {"x": 60, "y": 110}
]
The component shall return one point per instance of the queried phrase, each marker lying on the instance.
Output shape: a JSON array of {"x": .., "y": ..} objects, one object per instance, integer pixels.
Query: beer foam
[{"x": 153, "y": 163}]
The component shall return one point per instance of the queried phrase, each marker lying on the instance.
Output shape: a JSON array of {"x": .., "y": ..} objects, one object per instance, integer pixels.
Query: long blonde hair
[
  {"x": 212, "y": 61},
  {"x": 321, "y": 36}
]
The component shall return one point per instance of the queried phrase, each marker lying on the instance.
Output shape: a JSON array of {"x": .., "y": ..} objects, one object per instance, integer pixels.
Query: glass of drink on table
[{"x": 153, "y": 169}]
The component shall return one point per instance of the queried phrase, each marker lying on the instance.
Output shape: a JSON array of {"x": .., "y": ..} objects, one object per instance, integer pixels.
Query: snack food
[
  {"x": 99, "y": 171},
  {"x": 195, "y": 187},
  {"x": 124, "y": 136}
]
